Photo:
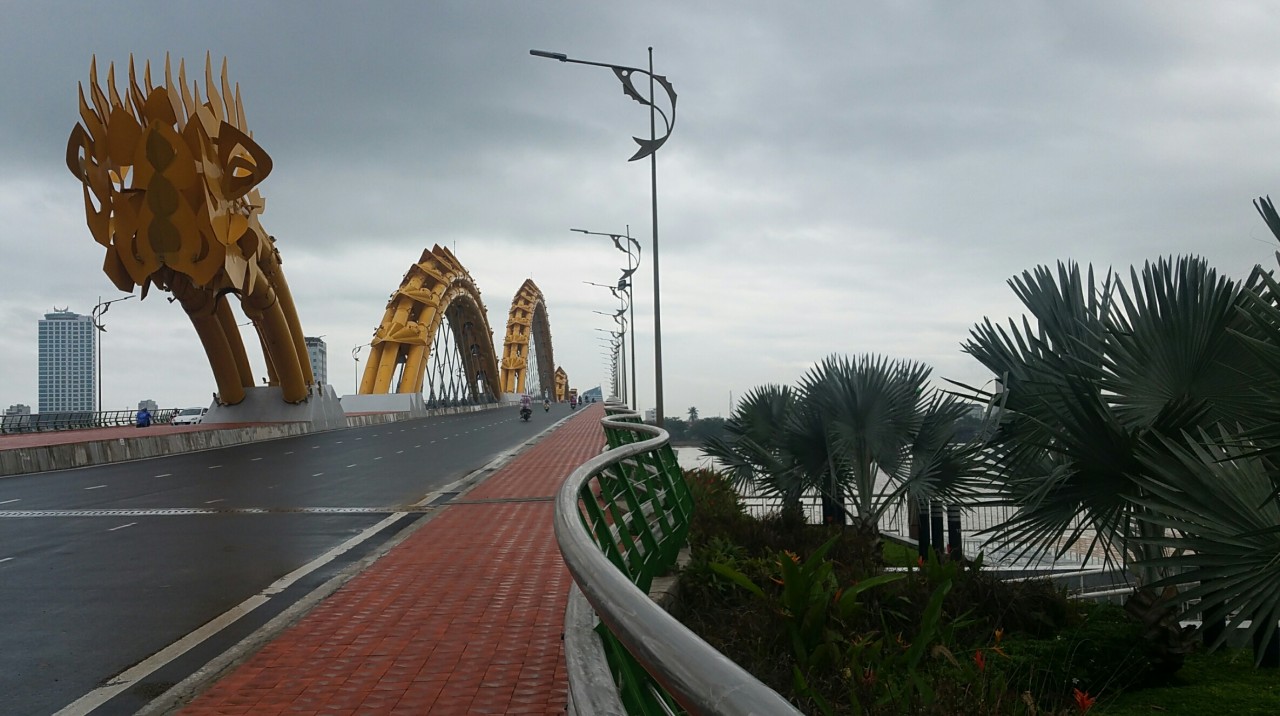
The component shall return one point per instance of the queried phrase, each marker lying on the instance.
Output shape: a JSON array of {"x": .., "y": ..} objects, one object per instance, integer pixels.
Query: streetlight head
[
  {"x": 580, "y": 231},
  {"x": 550, "y": 55}
]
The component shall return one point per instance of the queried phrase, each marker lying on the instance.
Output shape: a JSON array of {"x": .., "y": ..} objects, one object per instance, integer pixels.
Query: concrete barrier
[{"x": 41, "y": 458}]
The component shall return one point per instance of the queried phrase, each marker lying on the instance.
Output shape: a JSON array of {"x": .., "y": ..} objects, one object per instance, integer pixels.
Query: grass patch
[
  {"x": 897, "y": 554},
  {"x": 1224, "y": 683}
]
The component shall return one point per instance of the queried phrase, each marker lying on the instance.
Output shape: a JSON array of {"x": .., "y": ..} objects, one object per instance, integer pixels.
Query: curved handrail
[{"x": 699, "y": 678}]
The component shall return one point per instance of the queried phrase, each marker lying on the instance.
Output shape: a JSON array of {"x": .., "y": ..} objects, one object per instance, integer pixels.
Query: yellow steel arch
[
  {"x": 169, "y": 190},
  {"x": 527, "y": 321},
  {"x": 435, "y": 287},
  {"x": 562, "y": 385}
]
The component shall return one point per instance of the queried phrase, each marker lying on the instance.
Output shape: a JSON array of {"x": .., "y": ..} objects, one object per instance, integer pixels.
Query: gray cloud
[{"x": 842, "y": 177}]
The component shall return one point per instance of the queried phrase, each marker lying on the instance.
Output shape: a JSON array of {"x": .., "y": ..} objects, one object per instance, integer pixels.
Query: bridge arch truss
[
  {"x": 434, "y": 337},
  {"x": 528, "y": 362}
]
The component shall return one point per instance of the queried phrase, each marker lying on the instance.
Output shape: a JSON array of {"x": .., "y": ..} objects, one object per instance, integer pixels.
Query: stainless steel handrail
[{"x": 701, "y": 679}]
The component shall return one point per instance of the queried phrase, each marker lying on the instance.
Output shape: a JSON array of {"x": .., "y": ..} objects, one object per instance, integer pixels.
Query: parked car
[{"x": 189, "y": 416}]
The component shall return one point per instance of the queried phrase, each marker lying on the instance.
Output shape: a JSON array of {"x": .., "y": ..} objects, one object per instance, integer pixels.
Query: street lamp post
[
  {"x": 355, "y": 354},
  {"x": 98, "y": 311},
  {"x": 625, "y": 283},
  {"x": 647, "y": 148}
]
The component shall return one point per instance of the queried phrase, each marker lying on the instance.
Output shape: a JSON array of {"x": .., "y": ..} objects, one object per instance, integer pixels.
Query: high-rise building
[
  {"x": 67, "y": 381},
  {"x": 318, "y": 353}
]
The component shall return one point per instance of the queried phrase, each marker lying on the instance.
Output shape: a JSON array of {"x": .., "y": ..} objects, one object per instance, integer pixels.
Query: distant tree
[{"x": 693, "y": 415}]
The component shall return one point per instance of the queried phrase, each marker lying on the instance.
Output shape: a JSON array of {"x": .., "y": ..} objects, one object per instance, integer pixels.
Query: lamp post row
[{"x": 647, "y": 148}]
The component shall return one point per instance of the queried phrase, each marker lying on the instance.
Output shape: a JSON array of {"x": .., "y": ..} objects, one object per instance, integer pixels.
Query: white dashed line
[
  {"x": 351, "y": 465},
  {"x": 359, "y": 438},
  {"x": 318, "y": 474},
  {"x": 113, "y": 529},
  {"x": 165, "y": 474},
  {"x": 255, "y": 459},
  {"x": 16, "y": 499},
  {"x": 338, "y": 443},
  {"x": 6, "y": 559},
  {"x": 288, "y": 452},
  {"x": 95, "y": 487},
  {"x": 214, "y": 467},
  {"x": 417, "y": 446},
  {"x": 315, "y": 447},
  {"x": 378, "y": 457},
  {"x": 220, "y": 499},
  {"x": 399, "y": 451}
]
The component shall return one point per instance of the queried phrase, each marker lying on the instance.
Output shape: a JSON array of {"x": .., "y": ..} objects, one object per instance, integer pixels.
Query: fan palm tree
[
  {"x": 1107, "y": 373},
  {"x": 860, "y": 432}
]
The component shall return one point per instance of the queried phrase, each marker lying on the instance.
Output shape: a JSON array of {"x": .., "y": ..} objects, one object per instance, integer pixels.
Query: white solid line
[
  {"x": 94, "y": 487},
  {"x": 220, "y": 499},
  {"x": 125, "y": 680},
  {"x": 165, "y": 474},
  {"x": 16, "y": 499},
  {"x": 113, "y": 529}
]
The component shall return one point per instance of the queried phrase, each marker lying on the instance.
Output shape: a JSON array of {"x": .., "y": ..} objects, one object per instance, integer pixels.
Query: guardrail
[
  {"x": 620, "y": 520},
  {"x": 78, "y": 420}
]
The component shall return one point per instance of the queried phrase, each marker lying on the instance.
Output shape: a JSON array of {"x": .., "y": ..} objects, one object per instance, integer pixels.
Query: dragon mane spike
[
  {"x": 240, "y": 111},
  {"x": 227, "y": 99},
  {"x": 187, "y": 101},
  {"x": 112, "y": 93},
  {"x": 146, "y": 77},
  {"x": 95, "y": 92},
  {"x": 215, "y": 102}
]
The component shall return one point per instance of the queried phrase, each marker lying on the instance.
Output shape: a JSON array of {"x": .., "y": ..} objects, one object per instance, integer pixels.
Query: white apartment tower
[
  {"x": 317, "y": 351},
  {"x": 67, "y": 381}
]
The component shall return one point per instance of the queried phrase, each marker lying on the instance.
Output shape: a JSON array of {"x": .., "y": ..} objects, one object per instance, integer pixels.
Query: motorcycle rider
[
  {"x": 546, "y": 404},
  {"x": 526, "y": 404}
]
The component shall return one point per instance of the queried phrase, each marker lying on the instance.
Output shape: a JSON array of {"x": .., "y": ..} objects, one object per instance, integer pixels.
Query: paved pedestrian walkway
[{"x": 463, "y": 617}]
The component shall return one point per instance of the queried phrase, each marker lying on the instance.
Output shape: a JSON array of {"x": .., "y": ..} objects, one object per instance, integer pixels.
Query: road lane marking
[
  {"x": 351, "y": 465},
  {"x": 359, "y": 438},
  {"x": 399, "y": 451},
  {"x": 214, "y": 467},
  {"x": 113, "y": 529},
  {"x": 220, "y": 499},
  {"x": 6, "y": 559},
  {"x": 417, "y": 446},
  {"x": 378, "y": 457},
  {"x": 95, "y": 487},
  {"x": 16, "y": 499},
  {"x": 288, "y": 452},
  {"x": 165, "y": 474},
  {"x": 318, "y": 474},
  {"x": 128, "y": 678},
  {"x": 255, "y": 459},
  {"x": 338, "y": 443},
  {"x": 315, "y": 447}
]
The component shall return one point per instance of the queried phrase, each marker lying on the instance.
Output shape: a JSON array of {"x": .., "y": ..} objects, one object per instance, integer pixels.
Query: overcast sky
[{"x": 842, "y": 178}]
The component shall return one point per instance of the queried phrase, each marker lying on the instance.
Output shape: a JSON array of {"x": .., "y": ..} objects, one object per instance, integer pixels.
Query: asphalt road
[{"x": 101, "y": 568}]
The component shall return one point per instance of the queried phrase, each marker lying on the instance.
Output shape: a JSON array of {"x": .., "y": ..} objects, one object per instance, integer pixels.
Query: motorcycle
[
  {"x": 526, "y": 413},
  {"x": 546, "y": 407}
]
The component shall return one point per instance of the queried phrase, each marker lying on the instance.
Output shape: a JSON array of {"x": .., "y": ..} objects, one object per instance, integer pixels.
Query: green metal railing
[{"x": 621, "y": 520}]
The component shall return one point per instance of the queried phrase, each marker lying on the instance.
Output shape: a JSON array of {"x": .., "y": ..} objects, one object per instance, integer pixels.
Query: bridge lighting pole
[
  {"x": 648, "y": 148},
  {"x": 626, "y": 302},
  {"x": 98, "y": 311},
  {"x": 625, "y": 283}
]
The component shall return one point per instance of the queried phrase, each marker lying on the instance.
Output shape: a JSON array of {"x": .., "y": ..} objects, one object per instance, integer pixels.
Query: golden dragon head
[{"x": 169, "y": 181}]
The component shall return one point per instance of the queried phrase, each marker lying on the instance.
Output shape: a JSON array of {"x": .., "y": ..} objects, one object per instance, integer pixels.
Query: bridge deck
[{"x": 464, "y": 616}]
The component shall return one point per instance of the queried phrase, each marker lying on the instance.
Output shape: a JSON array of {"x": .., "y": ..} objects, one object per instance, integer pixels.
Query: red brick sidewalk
[{"x": 463, "y": 617}]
